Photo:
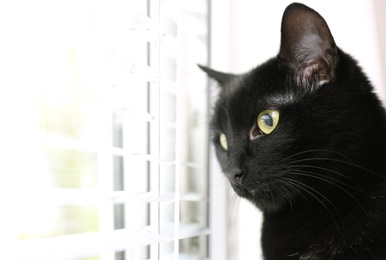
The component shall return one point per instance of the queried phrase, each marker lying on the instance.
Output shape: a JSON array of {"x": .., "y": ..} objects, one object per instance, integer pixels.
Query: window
[{"x": 105, "y": 131}]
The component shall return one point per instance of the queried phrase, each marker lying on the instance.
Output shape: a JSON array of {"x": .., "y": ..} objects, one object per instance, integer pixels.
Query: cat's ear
[
  {"x": 220, "y": 77},
  {"x": 307, "y": 46}
]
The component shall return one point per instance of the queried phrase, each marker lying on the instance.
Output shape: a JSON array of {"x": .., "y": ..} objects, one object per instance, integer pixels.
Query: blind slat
[
  {"x": 90, "y": 244},
  {"x": 95, "y": 197}
]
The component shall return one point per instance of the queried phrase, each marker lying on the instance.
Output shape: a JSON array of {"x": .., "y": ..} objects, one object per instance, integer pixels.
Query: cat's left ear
[
  {"x": 307, "y": 46},
  {"x": 221, "y": 77}
]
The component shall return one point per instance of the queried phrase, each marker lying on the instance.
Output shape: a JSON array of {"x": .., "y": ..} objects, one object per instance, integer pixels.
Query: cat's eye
[
  {"x": 267, "y": 121},
  {"x": 223, "y": 141}
]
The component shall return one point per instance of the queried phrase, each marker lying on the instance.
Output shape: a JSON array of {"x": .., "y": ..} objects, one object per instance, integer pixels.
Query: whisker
[
  {"x": 310, "y": 175},
  {"x": 313, "y": 151},
  {"x": 286, "y": 193},
  {"x": 234, "y": 207},
  {"x": 297, "y": 166},
  {"x": 356, "y": 187},
  {"x": 305, "y": 188},
  {"x": 340, "y": 161},
  {"x": 278, "y": 189}
]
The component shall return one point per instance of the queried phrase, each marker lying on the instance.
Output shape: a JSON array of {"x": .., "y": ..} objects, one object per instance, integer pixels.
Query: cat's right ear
[
  {"x": 307, "y": 45},
  {"x": 221, "y": 77}
]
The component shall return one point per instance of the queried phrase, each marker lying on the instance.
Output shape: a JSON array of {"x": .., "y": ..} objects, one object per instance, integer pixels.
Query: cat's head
[{"x": 293, "y": 125}]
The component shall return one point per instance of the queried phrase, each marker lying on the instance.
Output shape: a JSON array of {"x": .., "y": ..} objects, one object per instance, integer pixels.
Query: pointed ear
[
  {"x": 220, "y": 77},
  {"x": 307, "y": 46}
]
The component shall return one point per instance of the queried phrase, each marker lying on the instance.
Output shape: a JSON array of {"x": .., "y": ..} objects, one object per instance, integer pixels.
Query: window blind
[{"x": 106, "y": 131}]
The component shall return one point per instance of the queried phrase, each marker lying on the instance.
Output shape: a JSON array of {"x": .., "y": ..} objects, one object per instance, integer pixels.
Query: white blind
[{"x": 105, "y": 136}]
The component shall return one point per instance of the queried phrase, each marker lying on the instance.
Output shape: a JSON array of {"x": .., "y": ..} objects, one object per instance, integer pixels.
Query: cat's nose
[{"x": 236, "y": 176}]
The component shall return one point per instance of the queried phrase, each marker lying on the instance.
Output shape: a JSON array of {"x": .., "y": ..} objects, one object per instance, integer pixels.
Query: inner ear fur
[{"x": 307, "y": 46}]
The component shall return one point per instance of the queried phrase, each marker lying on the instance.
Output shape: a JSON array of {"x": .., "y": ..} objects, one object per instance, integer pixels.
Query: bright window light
[{"x": 104, "y": 133}]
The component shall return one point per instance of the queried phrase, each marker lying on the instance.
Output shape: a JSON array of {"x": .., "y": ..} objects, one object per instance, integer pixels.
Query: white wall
[{"x": 255, "y": 36}]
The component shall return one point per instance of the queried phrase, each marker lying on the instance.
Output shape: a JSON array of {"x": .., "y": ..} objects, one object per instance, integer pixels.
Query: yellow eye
[
  {"x": 267, "y": 121},
  {"x": 223, "y": 141}
]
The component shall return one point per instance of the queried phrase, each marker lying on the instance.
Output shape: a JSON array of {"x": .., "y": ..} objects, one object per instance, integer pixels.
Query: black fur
[{"x": 320, "y": 176}]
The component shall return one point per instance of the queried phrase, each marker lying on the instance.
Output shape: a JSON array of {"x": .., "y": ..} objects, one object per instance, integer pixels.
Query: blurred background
[{"x": 104, "y": 138}]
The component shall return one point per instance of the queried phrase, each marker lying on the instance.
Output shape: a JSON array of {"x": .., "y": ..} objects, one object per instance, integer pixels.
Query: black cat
[{"x": 303, "y": 137}]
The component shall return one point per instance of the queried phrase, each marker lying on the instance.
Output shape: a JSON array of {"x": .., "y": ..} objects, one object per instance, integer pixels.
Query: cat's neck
[{"x": 330, "y": 232}]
